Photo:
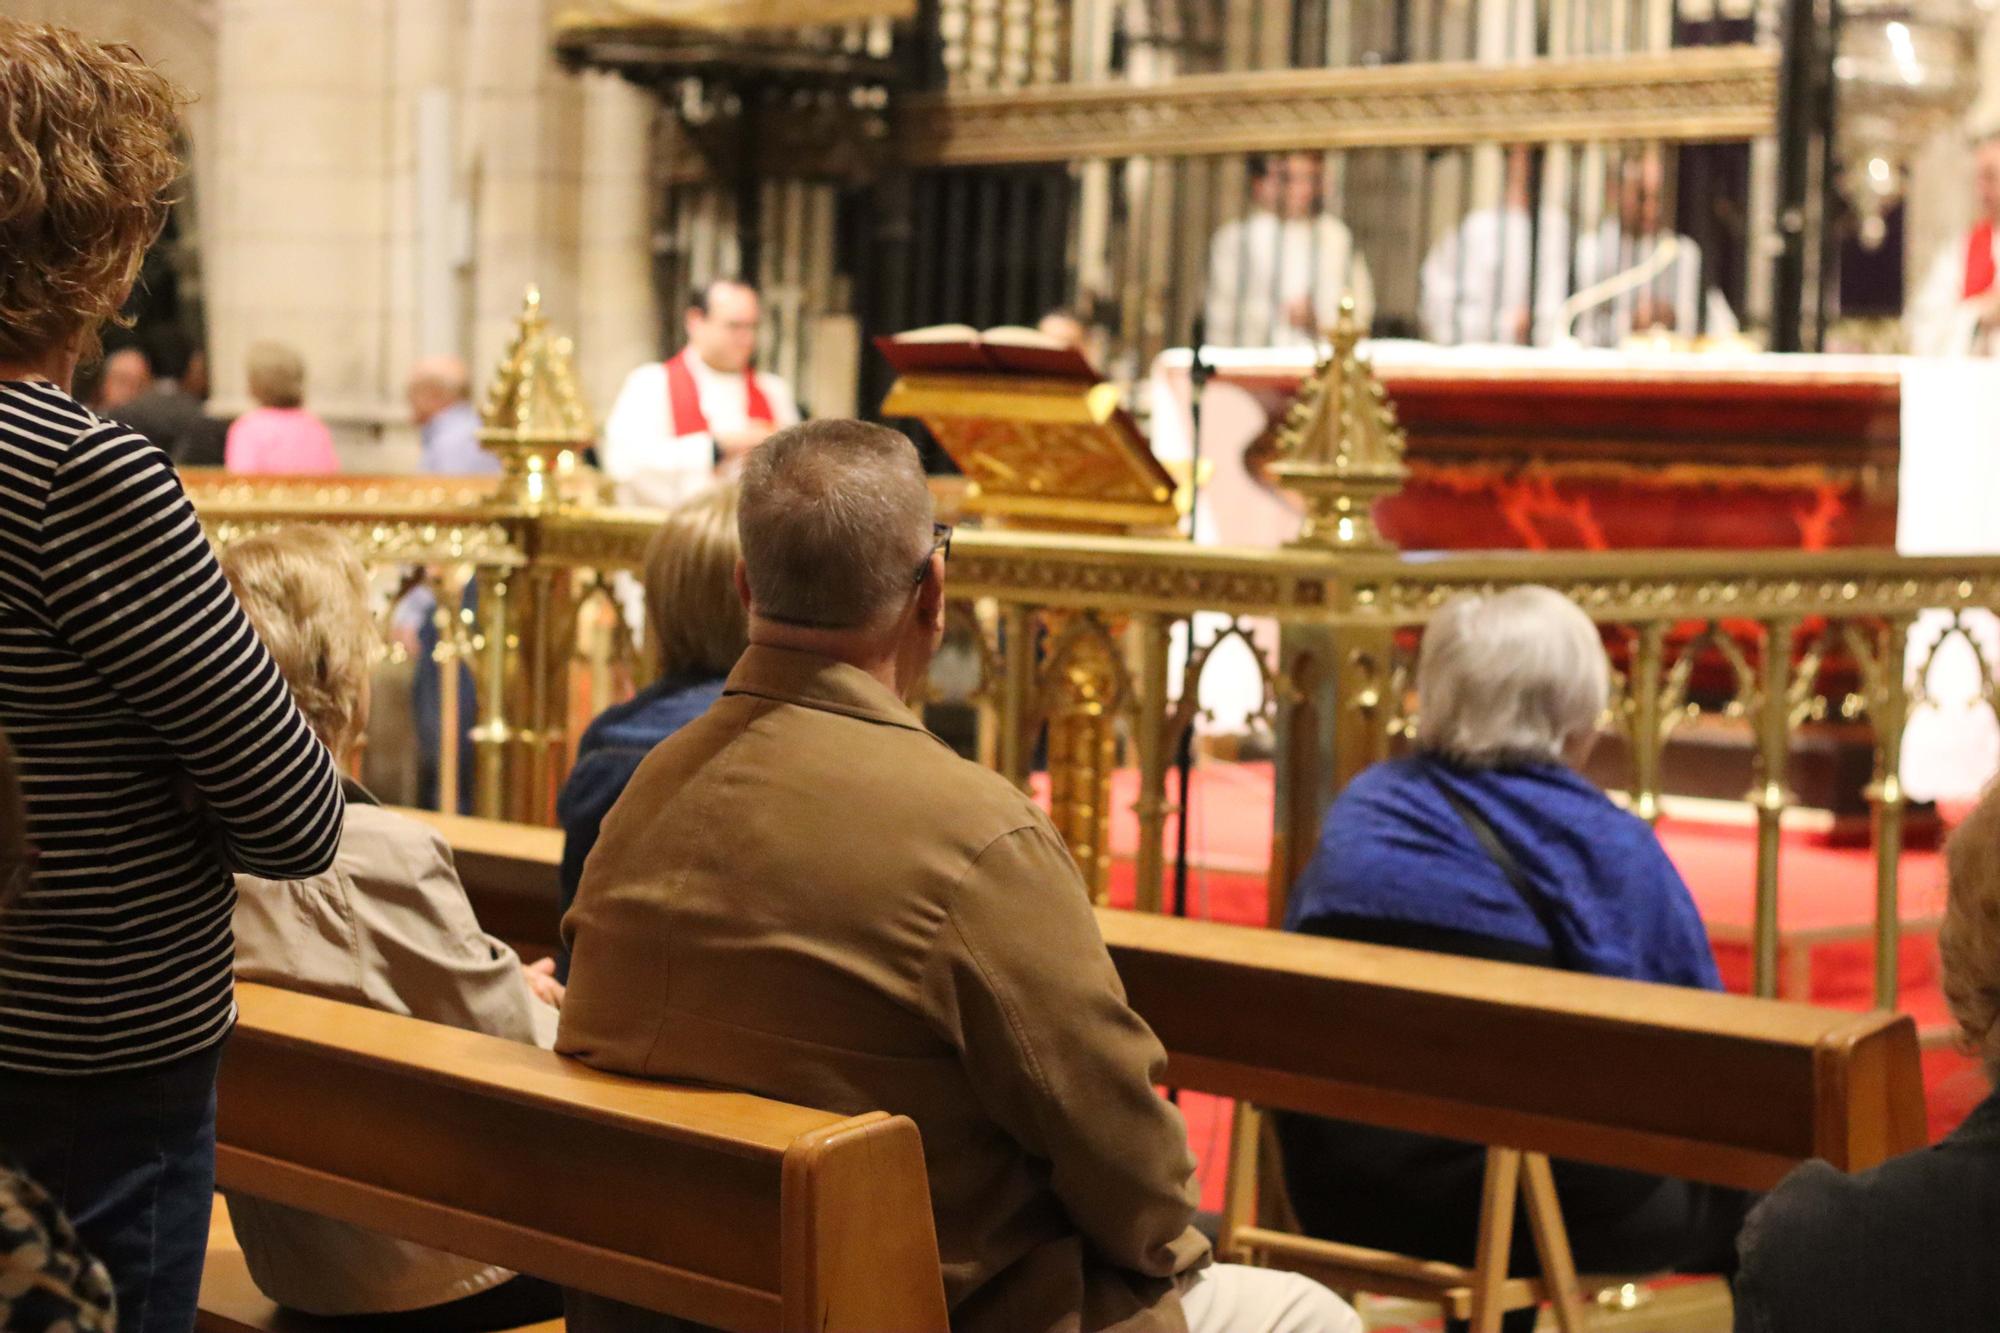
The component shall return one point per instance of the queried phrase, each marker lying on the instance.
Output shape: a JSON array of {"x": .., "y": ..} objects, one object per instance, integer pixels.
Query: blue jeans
[{"x": 131, "y": 1158}]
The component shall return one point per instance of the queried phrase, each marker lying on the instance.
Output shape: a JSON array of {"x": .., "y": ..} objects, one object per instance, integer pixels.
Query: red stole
[
  {"x": 1979, "y": 260},
  {"x": 684, "y": 399}
]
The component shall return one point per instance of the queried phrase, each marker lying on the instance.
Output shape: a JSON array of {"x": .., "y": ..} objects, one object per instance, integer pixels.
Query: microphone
[
  {"x": 1199, "y": 370},
  {"x": 1199, "y": 373},
  {"x": 1611, "y": 288}
]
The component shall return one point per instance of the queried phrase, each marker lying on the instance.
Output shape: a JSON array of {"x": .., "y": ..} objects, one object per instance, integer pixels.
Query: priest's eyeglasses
[{"x": 940, "y": 544}]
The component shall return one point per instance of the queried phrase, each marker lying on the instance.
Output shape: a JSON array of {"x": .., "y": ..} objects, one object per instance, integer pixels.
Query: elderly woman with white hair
[
  {"x": 1487, "y": 842},
  {"x": 1909, "y": 1244}
]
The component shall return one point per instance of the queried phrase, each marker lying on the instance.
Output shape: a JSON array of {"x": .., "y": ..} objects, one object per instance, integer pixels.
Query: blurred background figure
[
  {"x": 1956, "y": 310},
  {"x": 1478, "y": 282},
  {"x": 1064, "y": 327},
  {"x": 126, "y": 378},
  {"x": 1676, "y": 296},
  {"x": 439, "y": 395},
  {"x": 680, "y": 424},
  {"x": 171, "y": 412},
  {"x": 1276, "y": 276},
  {"x": 279, "y": 435}
]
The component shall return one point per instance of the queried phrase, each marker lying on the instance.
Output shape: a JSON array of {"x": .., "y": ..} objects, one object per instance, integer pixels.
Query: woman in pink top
[{"x": 278, "y": 435}]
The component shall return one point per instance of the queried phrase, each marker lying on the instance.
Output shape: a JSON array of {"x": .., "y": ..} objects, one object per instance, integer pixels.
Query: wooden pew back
[
  {"x": 730, "y": 1210},
  {"x": 1709, "y": 1087},
  {"x": 1721, "y": 1088}
]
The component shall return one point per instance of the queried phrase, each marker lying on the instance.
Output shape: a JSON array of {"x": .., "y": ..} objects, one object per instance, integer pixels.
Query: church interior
[{"x": 1461, "y": 521}]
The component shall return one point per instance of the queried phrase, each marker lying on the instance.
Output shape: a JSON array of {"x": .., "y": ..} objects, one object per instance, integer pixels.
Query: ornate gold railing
[
  {"x": 1076, "y": 635},
  {"x": 1098, "y": 646}
]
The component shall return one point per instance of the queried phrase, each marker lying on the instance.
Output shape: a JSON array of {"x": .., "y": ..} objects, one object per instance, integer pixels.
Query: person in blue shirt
[
  {"x": 696, "y": 627},
  {"x": 1487, "y": 842}
]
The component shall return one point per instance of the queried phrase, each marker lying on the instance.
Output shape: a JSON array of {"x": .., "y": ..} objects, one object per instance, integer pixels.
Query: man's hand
[
  {"x": 734, "y": 444},
  {"x": 1653, "y": 314},
  {"x": 1987, "y": 307},
  {"x": 542, "y": 983},
  {"x": 1299, "y": 314}
]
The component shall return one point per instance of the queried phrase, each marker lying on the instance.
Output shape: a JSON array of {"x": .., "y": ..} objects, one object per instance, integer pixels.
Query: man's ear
[
  {"x": 743, "y": 582},
  {"x": 930, "y": 597}
]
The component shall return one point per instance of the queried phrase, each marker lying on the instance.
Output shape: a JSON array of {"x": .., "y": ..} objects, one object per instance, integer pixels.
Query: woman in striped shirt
[{"x": 159, "y": 747}]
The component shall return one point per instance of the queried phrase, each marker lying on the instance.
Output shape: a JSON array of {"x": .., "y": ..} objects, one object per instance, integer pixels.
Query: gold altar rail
[
  {"x": 1083, "y": 641},
  {"x": 1692, "y": 95},
  {"x": 1098, "y": 648}
]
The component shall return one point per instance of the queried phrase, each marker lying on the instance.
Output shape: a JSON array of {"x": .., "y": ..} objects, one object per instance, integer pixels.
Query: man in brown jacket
[{"x": 806, "y": 895}]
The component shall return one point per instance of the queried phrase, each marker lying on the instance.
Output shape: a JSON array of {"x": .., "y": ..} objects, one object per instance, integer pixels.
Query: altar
[
  {"x": 1520, "y": 448},
  {"x": 1591, "y": 450}
]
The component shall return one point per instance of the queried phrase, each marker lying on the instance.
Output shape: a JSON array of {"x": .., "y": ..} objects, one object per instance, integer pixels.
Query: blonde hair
[
  {"x": 1509, "y": 678},
  {"x": 694, "y": 620},
  {"x": 277, "y": 375},
  {"x": 307, "y": 597},
  {"x": 1969, "y": 939},
  {"x": 87, "y": 164}
]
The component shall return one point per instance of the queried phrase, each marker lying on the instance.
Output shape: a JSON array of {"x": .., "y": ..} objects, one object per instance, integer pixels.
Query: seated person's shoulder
[
  {"x": 972, "y": 789},
  {"x": 1808, "y": 1208},
  {"x": 381, "y": 847},
  {"x": 1822, "y": 1225}
]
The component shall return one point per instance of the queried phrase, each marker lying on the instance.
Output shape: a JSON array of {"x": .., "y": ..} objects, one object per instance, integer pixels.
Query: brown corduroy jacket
[{"x": 806, "y": 895}]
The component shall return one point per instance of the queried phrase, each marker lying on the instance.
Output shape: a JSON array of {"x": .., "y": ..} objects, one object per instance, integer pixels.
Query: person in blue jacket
[
  {"x": 1487, "y": 842},
  {"x": 696, "y": 627}
]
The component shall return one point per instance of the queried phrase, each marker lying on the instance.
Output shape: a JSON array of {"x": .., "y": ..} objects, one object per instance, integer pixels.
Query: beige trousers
[{"x": 1234, "y": 1298}]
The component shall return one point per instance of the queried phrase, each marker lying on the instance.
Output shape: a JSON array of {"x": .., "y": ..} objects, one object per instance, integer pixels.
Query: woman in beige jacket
[{"x": 389, "y": 927}]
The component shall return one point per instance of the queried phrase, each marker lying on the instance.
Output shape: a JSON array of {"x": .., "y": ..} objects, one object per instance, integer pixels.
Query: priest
[
  {"x": 1276, "y": 276},
  {"x": 681, "y": 424},
  {"x": 1957, "y": 309}
]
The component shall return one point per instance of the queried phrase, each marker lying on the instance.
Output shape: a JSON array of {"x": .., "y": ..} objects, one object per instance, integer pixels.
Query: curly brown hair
[{"x": 88, "y": 163}]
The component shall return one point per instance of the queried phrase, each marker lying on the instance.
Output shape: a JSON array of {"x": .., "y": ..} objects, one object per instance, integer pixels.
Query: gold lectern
[{"x": 1045, "y": 444}]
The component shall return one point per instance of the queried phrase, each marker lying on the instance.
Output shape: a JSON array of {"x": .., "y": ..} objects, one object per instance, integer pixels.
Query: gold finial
[
  {"x": 533, "y": 416},
  {"x": 1340, "y": 445}
]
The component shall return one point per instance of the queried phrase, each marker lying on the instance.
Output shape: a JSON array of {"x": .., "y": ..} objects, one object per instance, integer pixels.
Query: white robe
[
  {"x": 1474, "y": 282},
  {"x": 1939, "y": 322},
  {"x": 1258, "y": 265},
  {"x": 1608, "y": 251},
  {"x": 653, "y": 466}
]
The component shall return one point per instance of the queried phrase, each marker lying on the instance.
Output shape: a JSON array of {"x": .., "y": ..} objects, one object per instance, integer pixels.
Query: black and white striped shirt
[{"x": 159, "y": 750}]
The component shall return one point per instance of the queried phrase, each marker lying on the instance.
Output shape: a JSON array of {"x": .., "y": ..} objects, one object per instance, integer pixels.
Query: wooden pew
[
  {"x": 726, "y": 1209},
  {"x": 1720, "y": 1088},
  {"x": 1717, "y": 1088},
  {"x": 1529, "y": 1061}
]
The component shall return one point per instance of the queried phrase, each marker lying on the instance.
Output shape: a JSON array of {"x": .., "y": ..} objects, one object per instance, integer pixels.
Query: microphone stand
[{"x": 1199, "y": 372}]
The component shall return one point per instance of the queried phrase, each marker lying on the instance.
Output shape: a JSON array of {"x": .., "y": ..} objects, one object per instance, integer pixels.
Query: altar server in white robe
[
  {"x": 1276, "y": 277},
  {"x": 680, "y": 425},
  {"x": 1957, "y": 309},
  {"x": 1474, "y": 283},
  {"x": 1631, "y": 235}
]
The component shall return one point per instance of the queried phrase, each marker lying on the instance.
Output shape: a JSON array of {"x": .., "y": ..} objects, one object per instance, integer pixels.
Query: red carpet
[{"x": 1826, "y": 910}]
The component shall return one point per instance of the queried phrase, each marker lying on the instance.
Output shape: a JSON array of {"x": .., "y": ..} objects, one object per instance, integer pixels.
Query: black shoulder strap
[{"x": 1495, "y": 848}]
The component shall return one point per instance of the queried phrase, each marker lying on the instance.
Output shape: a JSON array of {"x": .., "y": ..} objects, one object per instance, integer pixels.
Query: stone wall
[{"x": 378, "y": 180}]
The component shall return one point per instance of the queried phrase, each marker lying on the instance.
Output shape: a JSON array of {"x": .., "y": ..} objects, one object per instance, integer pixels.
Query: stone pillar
[
  {"x": 617, "y": 324},
  {"x": 298, "y": 192},
  {"x": 523, "y": 140}
]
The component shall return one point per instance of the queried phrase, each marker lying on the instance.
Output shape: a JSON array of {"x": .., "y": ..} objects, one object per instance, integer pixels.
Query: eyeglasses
[{"x": 940, "y": 544}]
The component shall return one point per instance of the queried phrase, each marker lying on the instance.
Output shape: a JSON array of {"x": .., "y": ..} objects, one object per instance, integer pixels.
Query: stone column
[
  {"x": 523, "y": 144},
  {"x": 618, "y": 316},
  {"x": 298, "y": 193}
]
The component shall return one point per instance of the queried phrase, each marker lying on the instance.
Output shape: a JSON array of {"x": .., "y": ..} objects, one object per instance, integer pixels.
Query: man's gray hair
[
  {"x": 1509, "y": 678},
  {"x": 835, "y": 518}
]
